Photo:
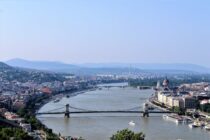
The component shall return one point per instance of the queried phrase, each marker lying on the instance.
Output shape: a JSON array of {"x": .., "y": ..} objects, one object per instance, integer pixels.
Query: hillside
[
  {"x": 40, "y": 65},
  {"x": 4, "y": 66},
  {"x": 8, "y": 73},
  {"x": 158, "y": 67}
]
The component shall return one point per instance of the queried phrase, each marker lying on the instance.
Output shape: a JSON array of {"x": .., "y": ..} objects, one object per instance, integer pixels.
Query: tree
[
  {"x": 127, "y": 135},
  {"x": 179, "y": 110},
  {"x": 15, "y": 133},
  {"x": 205, "y": 108}
]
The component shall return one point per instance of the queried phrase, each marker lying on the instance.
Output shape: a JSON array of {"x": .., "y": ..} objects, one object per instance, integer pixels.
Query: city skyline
[{"x": 106, "y": 32}]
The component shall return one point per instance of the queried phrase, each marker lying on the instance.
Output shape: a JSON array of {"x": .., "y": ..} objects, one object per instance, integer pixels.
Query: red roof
[{"x": 46, "y": 90}]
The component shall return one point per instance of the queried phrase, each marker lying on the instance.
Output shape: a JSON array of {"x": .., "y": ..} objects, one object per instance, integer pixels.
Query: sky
[{"x": 105, "y": 31}]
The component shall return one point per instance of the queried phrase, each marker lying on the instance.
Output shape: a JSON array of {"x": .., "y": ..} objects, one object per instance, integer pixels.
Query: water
[{"x": 102, "y": 126}]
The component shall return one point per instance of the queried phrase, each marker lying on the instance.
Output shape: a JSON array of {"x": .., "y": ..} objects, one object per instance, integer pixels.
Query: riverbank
[
  {"x": 152, "y": 101},
  {"x": 186, "y": 117},
  {"x": 61, "y": 95}
]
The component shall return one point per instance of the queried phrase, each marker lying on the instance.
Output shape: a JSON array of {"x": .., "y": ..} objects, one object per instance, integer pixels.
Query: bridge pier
[
  {"x": 146, "y": 114},
  {"x": 146, "y": 110},
  {"x": 67, "y": 112}
]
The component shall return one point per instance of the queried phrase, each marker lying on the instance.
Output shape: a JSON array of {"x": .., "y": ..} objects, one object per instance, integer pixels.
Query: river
[{"x": 102, "y": 126}]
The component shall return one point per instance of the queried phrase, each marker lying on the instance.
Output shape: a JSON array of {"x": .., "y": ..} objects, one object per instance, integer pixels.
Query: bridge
[
  {"x": 124, "y": 86},
  {"x": 113, "y": 86},
  {"x": 146, "y": 111}
]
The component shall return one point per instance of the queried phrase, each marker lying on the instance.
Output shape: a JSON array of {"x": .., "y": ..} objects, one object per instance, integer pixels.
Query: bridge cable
[
  {"x": 55, "y": 109},
  {"x": 129, "y": 109},
  {"x": 77, "y": 108}
]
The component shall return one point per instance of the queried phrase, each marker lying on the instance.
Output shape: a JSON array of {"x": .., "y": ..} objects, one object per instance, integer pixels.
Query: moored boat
[
  {"x": 175, "y": 118},
  {"x": 187, "y": 120},
  {"x": 165, "y": 116},
  {"x": 195, "y": 124},
  {"x": 207, "y": 127},
  {"x": 179, "y": 120},
  {"x": 56, "y": 100},
  {"x": 131, "y": 123}
]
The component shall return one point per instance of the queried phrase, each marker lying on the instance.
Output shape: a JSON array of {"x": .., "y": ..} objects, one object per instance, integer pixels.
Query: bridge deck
[{"x": 90, "y": 112}]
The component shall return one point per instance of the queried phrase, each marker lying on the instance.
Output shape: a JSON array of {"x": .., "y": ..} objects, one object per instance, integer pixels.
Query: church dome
[{"x": 166, "y": 82}]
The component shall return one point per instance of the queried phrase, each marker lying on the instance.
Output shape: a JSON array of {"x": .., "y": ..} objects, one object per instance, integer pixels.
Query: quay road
[
  {"x": 153, "y": 100},
  {"x": 10, "y": 123}
]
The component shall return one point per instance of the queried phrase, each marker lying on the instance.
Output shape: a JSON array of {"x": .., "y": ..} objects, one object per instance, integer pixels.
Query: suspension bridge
[
  {"x": 66, "y": 111},
  {"x": 123, "y": 86},
  {"x": 113, "y": 86}
]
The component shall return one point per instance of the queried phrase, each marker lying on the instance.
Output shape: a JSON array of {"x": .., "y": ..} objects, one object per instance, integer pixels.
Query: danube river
[{"x": 102, "y": 126}]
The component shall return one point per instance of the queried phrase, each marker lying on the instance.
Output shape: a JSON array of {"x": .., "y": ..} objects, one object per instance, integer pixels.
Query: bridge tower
[
  {"x": 67, "y": 112},
  {"x": 146, "y": 110}
]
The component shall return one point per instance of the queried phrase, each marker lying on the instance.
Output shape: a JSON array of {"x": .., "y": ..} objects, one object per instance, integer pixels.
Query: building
[
  {"x": 10, "y": 115},
  {"x": 2, "y": 111},
  {"x": 26, "y": 127},
  {"x": 163, "y": 96},
  {"x": 175, "y": 102},
  {"x": 46, "y": 90},
  {"x": 170, "y": 101},
  {"x": 205, "y": 101},
  {"x": 189, "y": 102},
  {"x": 18, "y": 104}
]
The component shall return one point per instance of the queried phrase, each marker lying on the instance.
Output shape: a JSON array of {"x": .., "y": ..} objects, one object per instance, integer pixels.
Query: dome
[{"x": 166, "y": 82}]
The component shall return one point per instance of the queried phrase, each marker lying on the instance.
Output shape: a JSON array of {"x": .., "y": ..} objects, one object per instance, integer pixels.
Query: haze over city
[{"x": 137, "y": 31}]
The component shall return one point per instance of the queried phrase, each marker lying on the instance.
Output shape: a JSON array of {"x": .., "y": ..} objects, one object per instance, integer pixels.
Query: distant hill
[
  {"x": 10, "y": 73},
  {"x": 66, "y": 68},
  {"x": 40, "y": 65},
  {"x": 4, "y": 66},
  {"x": 152, "y": 66},
  {"x": 109, "y": 68}
]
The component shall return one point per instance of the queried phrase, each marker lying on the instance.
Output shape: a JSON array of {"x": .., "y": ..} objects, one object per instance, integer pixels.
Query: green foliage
[
  {"x": 179, "y": 110},
  {"x": 21, "y": 112},
  {"x": 51, "y": 135},
  {"x": 22, "y": 75},
  {"x": 16, "y": 133},
  {"x": 127, "y": 135},
  {"x": 205, "y": 108},
  {"x": 52, "y": 138},
  {"x": 176, "y": 109},
  {"x": 29, "y": 115}
]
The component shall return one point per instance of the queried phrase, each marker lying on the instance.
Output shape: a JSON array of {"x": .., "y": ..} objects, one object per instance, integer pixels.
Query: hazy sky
[{"x": 80, "y": 31}]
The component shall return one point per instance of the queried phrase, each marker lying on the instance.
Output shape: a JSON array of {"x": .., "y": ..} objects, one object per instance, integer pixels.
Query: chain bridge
[{"x": 66, "y": 111}]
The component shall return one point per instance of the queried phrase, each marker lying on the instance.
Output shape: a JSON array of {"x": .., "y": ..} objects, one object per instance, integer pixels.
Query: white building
[{"x": 26, "y": 127}]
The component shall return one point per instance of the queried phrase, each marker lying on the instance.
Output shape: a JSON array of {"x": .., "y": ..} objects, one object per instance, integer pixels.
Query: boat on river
[
  {"x": 56, "y": 100},
  {"x": 131, "y": 123},
  {"x": 174, "y": 117},
  {"x": 195, "y": 124},
  {"x": 187, "y": 120},
  {"x": 207, "y": 127}
]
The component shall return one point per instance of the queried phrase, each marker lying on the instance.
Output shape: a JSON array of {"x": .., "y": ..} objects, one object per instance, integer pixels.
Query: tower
[
  {"x": 158, "y": 85},
  {"x": 146, "y": 110},
  {"x": 166, "y": 83},
  {"x": 67, "y": 112}
]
